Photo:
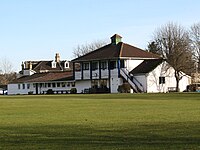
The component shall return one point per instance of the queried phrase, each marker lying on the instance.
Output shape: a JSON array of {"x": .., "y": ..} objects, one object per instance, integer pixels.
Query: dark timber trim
[
  {"x": 99, "y": 69},
  {"x": 109, "y": 75},
  {"x": 82, "y": 71},
  {"x": 118, "y": 67},
  {"x": 36, "y": 88},
  {"x": 74, "y": 70},
  {"x": 90, "y": 70}
]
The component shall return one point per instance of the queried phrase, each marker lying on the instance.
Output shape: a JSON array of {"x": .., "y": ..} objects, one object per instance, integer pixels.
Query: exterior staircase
[{"x": 134, "y": 83}]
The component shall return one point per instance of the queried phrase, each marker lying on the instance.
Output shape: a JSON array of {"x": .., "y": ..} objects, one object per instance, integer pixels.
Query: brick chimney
[
  {"x": 30, "y": 65},
  {"x": 115, "y": 39},
  {"x": 23, "y": 65},
  {"x": 57, "y": 57}
]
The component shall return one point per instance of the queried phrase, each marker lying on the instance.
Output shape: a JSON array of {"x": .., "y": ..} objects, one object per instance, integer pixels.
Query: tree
[
  {"x": 81, "y": 50},
  {"x": 195, "y": 37},
  {"x": 153, "y": 47},
  {"x": 173, "y": 43},
  {"x": 6, "y": 72}
]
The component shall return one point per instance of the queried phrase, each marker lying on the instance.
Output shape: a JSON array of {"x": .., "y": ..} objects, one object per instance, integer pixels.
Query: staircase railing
[
  {"x": 139, "y": 85},
  {"x": 136, "y": 85},
  {"x": 128, "y": 78}
]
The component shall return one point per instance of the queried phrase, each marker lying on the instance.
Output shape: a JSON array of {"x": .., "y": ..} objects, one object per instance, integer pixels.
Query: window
[
  {"x": 63, "y": 84},
  {"x": 113, "y": 65},
  {"x": 103, "y": 83},
  {"x": 53, "y": 84},
  {"x": 28, "y": 86},
  {"x": 49, "y": 84},
  {"x": 58, "y": 84},
  {"x": 66, "y": 65},
  {"x": 122, "y": 64},
  {"x": 45, "y": 85},
  {"x": 161, "y": 80},
  {"x": 73, "y": 84},
  {"x": 94, "y": 65},
  {"x": 94, "y": 83},
  {"x": 41, "y": 84},
  {"x": 23, "y": 86},
  {"x": 68, "y": 84},
  {"x": 19, "y": 86},
  {"x": 53, "y": 64},
  {"x": 103, "y": 65},
  {"x": 85, "y": 66}
]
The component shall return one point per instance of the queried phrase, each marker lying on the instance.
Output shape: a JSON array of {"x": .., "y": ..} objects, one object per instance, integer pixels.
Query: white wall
[
  {"x": 104, "y": 74},
  {"x": 95, "y": 74},
  {"x": 81, "y": 85},
  {"x": 77, "y": 75},
  {"x": 13, "y": 88},
  {"x": 143, "y": 80},
  {"x": 86, "y": 74},
  {"x": 170, "y": 81},
  {"x": 28, "y": 72},
  {"x": 115, "y": 82},
  {"x": 186, "y": 80},
  {"x": 131, "y": 64}
]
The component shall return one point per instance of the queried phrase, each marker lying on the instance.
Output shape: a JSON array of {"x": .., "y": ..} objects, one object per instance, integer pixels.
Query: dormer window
[
  {"x": 53, "y": 64},
  {"x": 66, "y": 64}
]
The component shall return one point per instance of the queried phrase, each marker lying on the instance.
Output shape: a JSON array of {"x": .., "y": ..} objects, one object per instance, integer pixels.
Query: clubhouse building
[{"x": 116, "y": 67}]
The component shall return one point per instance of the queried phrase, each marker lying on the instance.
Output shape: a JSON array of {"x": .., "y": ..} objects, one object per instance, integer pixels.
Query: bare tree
[
  {"x": 174, "y": 45},
  {"x": 6, "y": 71},
  {"x": 81, "y": 50},
  {"x": 154, "y": 47},
  {"x": 6, "y": 66},
  {"x": 195, "y": 37}
]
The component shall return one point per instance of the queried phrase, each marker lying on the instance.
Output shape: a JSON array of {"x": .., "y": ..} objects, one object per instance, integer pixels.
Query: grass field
[{"x": 110, "y": 121}]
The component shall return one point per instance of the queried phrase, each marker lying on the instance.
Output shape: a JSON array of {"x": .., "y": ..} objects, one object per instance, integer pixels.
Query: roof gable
[
  {"x": 146, "y": 66},
  {"x": 134, "y": 52}
]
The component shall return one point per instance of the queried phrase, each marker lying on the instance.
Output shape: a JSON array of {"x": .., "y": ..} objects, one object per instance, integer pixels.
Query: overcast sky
[{"x": 37, "y": 29}]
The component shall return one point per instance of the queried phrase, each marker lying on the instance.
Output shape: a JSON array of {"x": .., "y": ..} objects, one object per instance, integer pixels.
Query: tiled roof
[
  {"x": 107, "y": 52},
  {"x": 146, "y": 66},
  {"x": 46, "y": 77},
  {"x": 120, "y": 50},
  {"x": 44, "y": 66}
]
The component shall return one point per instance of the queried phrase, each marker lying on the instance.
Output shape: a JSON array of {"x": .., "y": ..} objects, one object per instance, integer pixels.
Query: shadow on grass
[{"x": 141, "y": 136}]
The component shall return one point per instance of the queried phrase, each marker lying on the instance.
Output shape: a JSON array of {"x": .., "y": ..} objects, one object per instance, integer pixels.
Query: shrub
[
  {"x": 73, "y": 91},
  {"x": 30, "y": 93},
  {"x": 50, "y": 91},
  {"x": 124, "y": 88}
]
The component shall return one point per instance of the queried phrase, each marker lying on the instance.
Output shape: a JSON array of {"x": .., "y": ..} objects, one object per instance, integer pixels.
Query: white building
[
  {"x": 41, "y": 77},
  {"x": 105, "y": 70},
  {"x": 118, "y": 63}
]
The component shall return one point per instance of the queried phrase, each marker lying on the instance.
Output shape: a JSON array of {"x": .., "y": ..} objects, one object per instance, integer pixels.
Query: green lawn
[{"x": 107, "y": 121}]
